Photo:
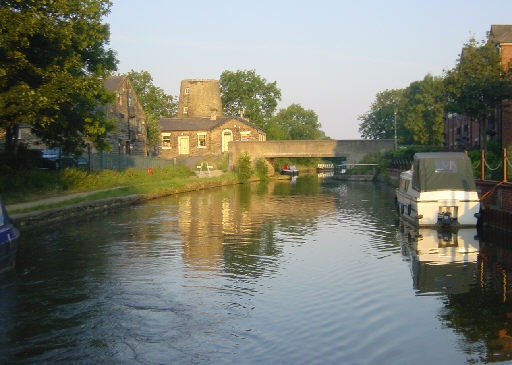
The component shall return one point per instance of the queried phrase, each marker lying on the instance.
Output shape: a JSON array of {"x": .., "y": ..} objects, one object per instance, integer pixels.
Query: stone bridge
[{"x": 352, "y": 150}]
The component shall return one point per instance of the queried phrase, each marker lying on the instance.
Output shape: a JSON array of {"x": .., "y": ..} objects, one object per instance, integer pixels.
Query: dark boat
[
  {"x": 289, "y": 170},
  {"x": 8, "y": 240}
]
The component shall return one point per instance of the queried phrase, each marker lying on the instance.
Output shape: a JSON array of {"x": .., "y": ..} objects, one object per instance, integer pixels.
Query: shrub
[
  {"x": 261, "y": 169},
  {"x": 244, "y": 169}
]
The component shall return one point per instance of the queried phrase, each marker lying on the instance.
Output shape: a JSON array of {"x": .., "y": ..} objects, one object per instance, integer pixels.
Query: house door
[
  {"x": 227, "y": 136},
  {"x": 183, "y": 145}
]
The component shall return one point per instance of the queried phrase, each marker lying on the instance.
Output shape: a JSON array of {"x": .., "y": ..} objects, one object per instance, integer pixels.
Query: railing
[
  {"x": 112, "y": 161},
  {"x": 483, "y": 164},
  {"x": 356, "y": 169}
]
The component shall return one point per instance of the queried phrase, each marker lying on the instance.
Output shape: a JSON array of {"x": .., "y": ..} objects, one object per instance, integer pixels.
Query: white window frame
[
  {"x": 169, "y": 146},
  {"x": 185, "y": 110},
  {"x": 198, "y": 140}
]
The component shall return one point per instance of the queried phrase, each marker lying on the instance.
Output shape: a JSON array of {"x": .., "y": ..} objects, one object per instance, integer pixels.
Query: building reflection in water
[
  {"x": 245, "y": 223},
  {"x": 473, "y": 276}
]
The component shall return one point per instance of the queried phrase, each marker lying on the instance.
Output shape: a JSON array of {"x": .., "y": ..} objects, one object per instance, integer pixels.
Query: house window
[
  {"x": 129, "y": 100},
  {"x": 244, "y": 136},
  {"x": 166, "y": 141},
  {"x": 201, "y": 140},
  {"x": 187, "y": 91},
  {"x": 185, "y": 110}
]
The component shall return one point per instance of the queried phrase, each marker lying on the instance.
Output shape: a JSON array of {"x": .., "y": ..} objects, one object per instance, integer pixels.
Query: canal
[{"x": 302, "y": 272}]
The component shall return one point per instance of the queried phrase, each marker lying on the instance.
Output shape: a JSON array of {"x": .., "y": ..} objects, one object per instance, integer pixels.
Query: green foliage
[
  {"x": 18, "y": 185},
  {"x": 247, "y": 92},
  {"x": 156, "y": 103},
  {"x": 295, "y": 122},
  {"x": 423, "y": 111},
  {"x": 52, "y": 59},
  {"x": 244, "y": 167},
  {"x": 261, "y": 168},
  {"x": 418, "y": 110},
  {"x": 477, "y": 84},
  {"x": 379, "y": 122},
  {"x": 493, "y": 157}
]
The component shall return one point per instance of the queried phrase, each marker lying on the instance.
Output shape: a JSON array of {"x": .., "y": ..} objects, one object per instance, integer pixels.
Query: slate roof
[
  {"x": 195, "y": 124},
  {"x": 502, "y": 33},
  {"x": 113, "y": 83}
]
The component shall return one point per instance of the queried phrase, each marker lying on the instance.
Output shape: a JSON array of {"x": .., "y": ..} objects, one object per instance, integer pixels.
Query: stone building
[
  {"x": 462, "y": 133},
  {"x": 130, "y": 137},
  {"x": 200, "y": 128}
]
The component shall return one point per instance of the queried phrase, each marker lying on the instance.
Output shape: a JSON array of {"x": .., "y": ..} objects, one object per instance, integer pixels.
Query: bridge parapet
[{"x": 352, "y": 150}]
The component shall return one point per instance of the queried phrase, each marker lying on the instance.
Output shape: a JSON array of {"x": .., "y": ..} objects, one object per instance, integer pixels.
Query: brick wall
[{"x": 497, "y": 205}]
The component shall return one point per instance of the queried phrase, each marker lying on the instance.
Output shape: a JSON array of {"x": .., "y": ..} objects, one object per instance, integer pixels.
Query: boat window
[
  {"x": 405, "y": 184},
  {"x": 446, "y": 166}
]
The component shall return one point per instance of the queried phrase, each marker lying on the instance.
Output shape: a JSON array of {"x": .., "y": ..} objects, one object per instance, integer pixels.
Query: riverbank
[{"x": 57, "y": 209}]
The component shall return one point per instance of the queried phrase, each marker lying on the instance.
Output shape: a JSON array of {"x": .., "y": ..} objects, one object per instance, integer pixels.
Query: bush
[
  {"x": 244, "y": 169},
  {"x": 261, "y": 169}
]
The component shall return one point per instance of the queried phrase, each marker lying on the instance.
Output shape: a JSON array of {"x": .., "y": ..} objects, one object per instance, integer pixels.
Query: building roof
[
  {"x": 195, "y": 124},
  {"x": 502, "y": 33},
  {"x": 113, "y": 83}
]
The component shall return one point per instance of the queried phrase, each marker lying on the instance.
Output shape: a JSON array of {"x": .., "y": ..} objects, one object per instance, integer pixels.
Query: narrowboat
[
  {"x": 8, "y": 240},
  {"x": 439, "y": 190},
  {"x": 289, "y": 170}
]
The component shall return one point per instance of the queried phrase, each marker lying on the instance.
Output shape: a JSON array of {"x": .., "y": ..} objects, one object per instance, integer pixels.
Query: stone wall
[
  {"x": 199, "y": 99},
  {"x": 352, "y": 150},
  {"x": 213, "y": 139},
  {"x": 130, "y": 136}
]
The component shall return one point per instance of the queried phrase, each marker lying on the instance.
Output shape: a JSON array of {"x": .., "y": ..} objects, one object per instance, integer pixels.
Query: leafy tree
[
  {"x": 156, "y": 103},
  {"x": 423, "y": 109},
  {"x": 52, "y": 57},
  {"x": 298, "y": 123},
  {"x": 379, "y": 122},
  {"x": 248, "y": 92},
  {"x": 477, "y": 84}
]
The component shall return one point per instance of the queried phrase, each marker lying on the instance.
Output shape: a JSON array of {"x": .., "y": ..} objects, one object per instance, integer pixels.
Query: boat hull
[
  {"x": 8, "y": 246},
  {"x": 441, "y": 208}
]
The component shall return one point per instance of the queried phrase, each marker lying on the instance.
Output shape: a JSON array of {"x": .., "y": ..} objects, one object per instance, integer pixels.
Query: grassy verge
[{"x": 33, "y": 185}]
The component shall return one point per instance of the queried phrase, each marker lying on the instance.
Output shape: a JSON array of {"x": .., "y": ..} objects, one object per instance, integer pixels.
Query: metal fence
[{"x": 112, "y": 161}]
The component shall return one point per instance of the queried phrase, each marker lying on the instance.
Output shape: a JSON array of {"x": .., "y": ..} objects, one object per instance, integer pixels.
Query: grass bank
[{"x": 35, "y": 185}]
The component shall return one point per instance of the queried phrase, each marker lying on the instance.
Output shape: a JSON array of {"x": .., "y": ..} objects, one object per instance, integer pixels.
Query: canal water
[{"x": 311, "y": 271}]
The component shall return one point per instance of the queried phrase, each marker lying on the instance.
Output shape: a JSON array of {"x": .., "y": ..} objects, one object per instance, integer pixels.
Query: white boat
[{"x": 439, "y": 190}]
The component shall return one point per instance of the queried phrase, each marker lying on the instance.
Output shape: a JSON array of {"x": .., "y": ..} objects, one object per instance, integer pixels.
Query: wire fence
[{"x": 111, "y": 161}]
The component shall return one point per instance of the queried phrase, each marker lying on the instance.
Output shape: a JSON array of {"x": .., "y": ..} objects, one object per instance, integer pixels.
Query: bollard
[
  {"x": 150, "y": 171},
  {"x": 482, "y": 165},
  {"x": 504, "y": 165}
]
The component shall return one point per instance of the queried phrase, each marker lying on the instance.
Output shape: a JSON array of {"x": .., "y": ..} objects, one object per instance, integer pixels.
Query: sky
[{"x": 332, "y": 57}]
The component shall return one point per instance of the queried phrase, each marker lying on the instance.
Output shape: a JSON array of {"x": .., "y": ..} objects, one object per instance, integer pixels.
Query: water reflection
[
  {"x": 441, "y": 260},
  {"x": 471, "y": 273}
]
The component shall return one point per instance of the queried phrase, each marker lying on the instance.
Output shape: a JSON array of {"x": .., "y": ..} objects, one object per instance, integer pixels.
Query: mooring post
[
  {"x": 504, "y": 165},
  {"x": 482, "y": 165}
]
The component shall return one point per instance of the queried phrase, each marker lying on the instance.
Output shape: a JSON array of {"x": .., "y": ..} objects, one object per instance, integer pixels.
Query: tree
[
  {"x": 52, "y": 57},
  {"x": 249, "y": 93},
  {"x": 156, "y": 103},
  {"x": 477, "y": 85},
  {"x": 379, "y": 122},
  {"x": 423, "y": 109},
  {"x": 298, "y": 123}
]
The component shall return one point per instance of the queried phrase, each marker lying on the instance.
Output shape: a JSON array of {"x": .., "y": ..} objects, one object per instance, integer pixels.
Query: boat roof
[{"x": 436, "y": 171}]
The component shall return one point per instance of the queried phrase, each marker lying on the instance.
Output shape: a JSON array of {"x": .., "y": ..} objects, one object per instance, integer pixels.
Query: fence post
[
  {"x": 504, "y": 165},
  {"x": 482, "y": 165}
]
